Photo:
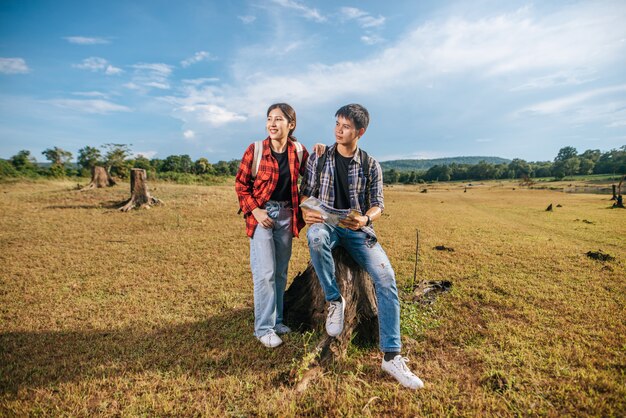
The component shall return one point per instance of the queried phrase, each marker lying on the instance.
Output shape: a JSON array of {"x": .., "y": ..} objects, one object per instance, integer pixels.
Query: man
[{"x": 350, "y": 180}]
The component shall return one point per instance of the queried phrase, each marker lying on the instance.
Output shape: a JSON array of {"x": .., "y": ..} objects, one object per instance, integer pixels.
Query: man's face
[{"x": 345, "y": 132}]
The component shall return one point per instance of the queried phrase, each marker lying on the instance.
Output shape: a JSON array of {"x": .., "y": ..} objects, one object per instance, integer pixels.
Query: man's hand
[
  {"x": 311, "y": 216},
  {"x": 319, "y": 149},
  {"x": 261, "y": 217},
  {"x": 354, "y": 223}
]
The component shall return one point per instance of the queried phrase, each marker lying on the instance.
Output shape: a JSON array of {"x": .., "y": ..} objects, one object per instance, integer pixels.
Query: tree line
[
  {"x": 568, "y": 162},
  {"x": 181, "y": 168},
  {"x": 118, "y": 162}
]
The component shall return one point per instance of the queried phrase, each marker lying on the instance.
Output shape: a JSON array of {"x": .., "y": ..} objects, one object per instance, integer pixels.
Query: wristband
[{"x": 369, "y": 221}]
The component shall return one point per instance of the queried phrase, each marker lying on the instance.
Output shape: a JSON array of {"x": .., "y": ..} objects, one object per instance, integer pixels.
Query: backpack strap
[
  {"x": 299, "y": 151},
  {"x": 321, "y": 160},
  {"x": 365, "y": 165},
  {"x": 256, "y": 161}
]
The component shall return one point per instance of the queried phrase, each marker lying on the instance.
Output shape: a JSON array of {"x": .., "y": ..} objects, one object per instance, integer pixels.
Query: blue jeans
[
  {"x": 270, "y": 251},
  {"x": 323, "y": 238}
]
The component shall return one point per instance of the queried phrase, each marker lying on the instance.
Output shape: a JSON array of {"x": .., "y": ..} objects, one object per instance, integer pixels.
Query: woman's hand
[
  {"x": 319, "y": 149},
  {"x": 261, "y": 217}
]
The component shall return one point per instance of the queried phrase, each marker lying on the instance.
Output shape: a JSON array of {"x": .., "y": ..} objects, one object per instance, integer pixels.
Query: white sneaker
[
  {"x": 270, "y": 340},
  {"x": 334, "y": 320},
  {"x": 282, "y": 329},
  {"x": 398, "y": 369}
]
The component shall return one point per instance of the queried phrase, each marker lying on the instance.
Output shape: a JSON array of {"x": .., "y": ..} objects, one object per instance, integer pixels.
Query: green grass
[{"x": 150, "y": 312}]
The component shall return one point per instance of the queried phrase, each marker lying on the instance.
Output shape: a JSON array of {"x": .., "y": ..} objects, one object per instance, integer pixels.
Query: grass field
[{"x": 150, "y": 312}]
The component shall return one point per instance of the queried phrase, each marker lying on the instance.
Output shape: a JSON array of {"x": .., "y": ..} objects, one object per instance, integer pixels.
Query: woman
[{"x": 267, "y": 189}]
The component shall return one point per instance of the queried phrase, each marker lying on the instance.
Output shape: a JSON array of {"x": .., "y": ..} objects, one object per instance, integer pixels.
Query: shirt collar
[
  {"x": 267, "y": 149},
  {"x": 357, "y": 154}
]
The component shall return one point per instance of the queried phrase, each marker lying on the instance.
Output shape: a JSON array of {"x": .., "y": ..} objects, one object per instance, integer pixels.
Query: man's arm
[
  {"x": 376, "y": 200},
  {"x": 306, "y": 189}
]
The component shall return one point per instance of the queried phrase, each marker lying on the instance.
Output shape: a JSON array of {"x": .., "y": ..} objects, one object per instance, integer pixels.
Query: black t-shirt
[
  {"x": 342, "y": 187},
  {"x": 283, "y": 187}
]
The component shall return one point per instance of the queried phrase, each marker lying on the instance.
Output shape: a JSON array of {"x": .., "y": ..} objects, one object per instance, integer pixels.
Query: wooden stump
[
  {"x": 100, "y": 177},
  {"x": 305, "y": 308},
  {"x": 139, "y": 195}
]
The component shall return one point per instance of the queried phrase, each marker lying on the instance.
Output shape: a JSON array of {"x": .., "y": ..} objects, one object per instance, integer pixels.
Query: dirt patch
[{"x": 600, "y": 256}]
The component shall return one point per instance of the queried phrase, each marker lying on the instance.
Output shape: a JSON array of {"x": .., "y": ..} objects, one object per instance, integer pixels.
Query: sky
[{"x": 509, "y": 79}]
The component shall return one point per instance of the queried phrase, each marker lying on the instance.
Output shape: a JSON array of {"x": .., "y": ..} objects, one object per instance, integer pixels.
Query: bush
[{"x": 7, "y": 169}]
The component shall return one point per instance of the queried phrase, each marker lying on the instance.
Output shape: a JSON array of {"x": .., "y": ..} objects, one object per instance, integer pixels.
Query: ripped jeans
[
  {"x": 270, "y": 251},
  {"x": 323, "y": 238}
]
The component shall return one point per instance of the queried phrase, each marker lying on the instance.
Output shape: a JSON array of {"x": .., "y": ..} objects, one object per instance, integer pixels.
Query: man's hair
[{"x": 356, "y": 113}]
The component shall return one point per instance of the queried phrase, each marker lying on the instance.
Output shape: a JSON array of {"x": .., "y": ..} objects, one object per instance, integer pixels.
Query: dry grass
[{"x": 150, "y": 312}]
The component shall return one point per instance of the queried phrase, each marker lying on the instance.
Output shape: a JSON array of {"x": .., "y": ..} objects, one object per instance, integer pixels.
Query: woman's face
[{"x": 277, "y": 125}]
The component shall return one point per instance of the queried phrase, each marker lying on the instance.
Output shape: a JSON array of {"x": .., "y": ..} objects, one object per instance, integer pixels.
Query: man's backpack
[
  {"x": 365, "y": 163},
  {"x": 258, "y": 153}
]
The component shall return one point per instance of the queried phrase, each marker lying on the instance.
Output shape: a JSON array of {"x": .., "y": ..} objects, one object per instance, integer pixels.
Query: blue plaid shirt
[{"x": 326, "y": 192}]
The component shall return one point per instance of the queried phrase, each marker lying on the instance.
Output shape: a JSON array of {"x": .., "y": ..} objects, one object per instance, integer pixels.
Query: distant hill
[{"x": 419, "y": 165}]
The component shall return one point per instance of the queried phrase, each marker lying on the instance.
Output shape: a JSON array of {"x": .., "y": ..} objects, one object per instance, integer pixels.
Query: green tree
[
  {"x": 202, "y": 166},
  {"x": 57, "y": 156},
  {"x": 116, "y": 159},
  {"x": 172, "y": 163},
  {"x": 7, "y": 169},
  {"x": 89, "y": 157},
  {"x": 519, "y": 168},
  {"x": 23, "y": 161},
  {"x": 566, "y": 153},
  {"x": 233, "y": 167},
  {"x": 568, "y": 167},
  {"x": 142, "y": 162},
  {"x": 222, "y": 168},
  {"x": 390, "y": 176},
  {"x": 438, "y": 173},
  {"x": 586, "y": 166}
]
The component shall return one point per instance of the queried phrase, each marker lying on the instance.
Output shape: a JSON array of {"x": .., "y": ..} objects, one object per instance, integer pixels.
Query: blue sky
[{"x": 440, "y": 79}]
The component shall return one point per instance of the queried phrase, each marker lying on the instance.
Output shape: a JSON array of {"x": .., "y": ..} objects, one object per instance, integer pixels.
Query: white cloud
[
  {"x": 503, "y": 47},
  {"x": 199, "y": 81},
  {"x": 84, "y": 40},
  {"x": 212, "y": 114},
  {"x": 90, "y": 106},
  {"x": 150, "y": 75},
  {"x": 560, "y": 78},
  {"x": 307, "y": 12},
  {"x": 364, "y": 19},
  {"x": 247, "y": 19},
  {"x": 371, "y": 39},
  {"x": 197, "y": 57},
  {"x": 568, "y": 102},
  {"x": 97, "y": 64},
  {"x": 90, "y": 94},
  {"x": 146, "y": 154},
  {"x": 13, "y": 66},
  {"x": 189, "y": 134}
]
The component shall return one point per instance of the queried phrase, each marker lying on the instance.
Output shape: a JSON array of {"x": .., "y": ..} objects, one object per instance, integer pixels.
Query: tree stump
[
  {"x": 305, "y": 308},
  {"x": 100, "y": 177},
  {"x": 139, "y": 195}
]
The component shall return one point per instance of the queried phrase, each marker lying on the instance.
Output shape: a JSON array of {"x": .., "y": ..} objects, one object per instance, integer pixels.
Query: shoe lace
[
  {"x": 401, "y": 363},
  {"x": 332, "y": 309}
]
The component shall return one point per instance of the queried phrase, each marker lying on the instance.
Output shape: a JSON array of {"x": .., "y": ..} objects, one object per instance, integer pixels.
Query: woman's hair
[{"x": 289, "y": 113}]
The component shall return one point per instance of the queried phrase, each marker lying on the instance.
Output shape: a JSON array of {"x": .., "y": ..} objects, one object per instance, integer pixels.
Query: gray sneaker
[
  {"x": 282, "y": 329},
  {"x": 398, "y": 369},
  {"x": 270, "y": 340},
  {"x": 334, "y": 320}
]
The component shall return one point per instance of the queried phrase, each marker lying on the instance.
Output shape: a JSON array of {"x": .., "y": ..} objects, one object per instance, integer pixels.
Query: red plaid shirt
[{"x": 255, "y": 195}]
